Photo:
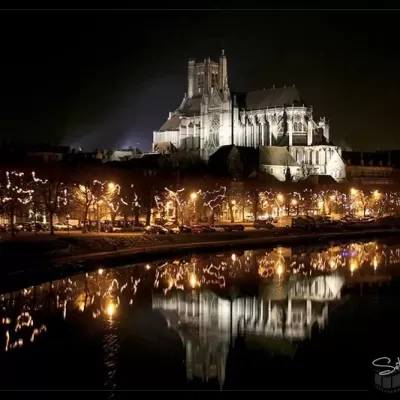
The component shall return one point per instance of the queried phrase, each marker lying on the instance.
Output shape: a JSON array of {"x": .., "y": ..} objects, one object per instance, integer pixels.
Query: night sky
[{"x": 107, "y": 79}]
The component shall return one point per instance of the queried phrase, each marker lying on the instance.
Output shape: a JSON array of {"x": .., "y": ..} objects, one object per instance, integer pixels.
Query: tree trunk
[
  {"x": 51, "y": 218},
  {"x": 12, "y": 222},
  {"x": 231, "y": 211},
  {"x": 212, "y": 217},
  {"x": 148, "y": 215},
  {"x": 176, "y": 212},
  {"x": 98, "y": 219},
  {"x": 136, "y": 215},
  {"x": 85, "y": 214},
  {"x": 255, "y": 208}
]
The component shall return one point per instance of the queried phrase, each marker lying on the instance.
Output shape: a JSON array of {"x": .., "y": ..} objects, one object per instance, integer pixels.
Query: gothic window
[
  {"x": 300, "y": 127},
  {"x": 200, "y": 80},
  {"x": 295, "y": 127},
  {"x": 280, "y": 127},
  {"x": 214, "y": 131},
  {"x": 310, "y": 157},
  {"x": 214, "y": 80},
  {"x": 317, "y": 157}
]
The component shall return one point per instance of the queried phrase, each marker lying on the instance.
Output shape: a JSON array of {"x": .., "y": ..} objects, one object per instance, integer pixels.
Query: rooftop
[{"x": 268, "y": 98}]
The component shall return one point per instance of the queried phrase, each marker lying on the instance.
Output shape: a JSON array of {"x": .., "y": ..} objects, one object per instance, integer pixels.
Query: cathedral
[{"x": 275, "y": 122}]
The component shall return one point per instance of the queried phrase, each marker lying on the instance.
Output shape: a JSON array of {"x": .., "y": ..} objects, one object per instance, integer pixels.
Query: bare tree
[
  {"x": 129, "y": 201},
  {"x": 253, "y": 197},
  {"x": 92, "y": 194},
  {"x": 52, "y": 189},
  {"x": 14, "y": 192},
  {"x": 213, "y": 200}
]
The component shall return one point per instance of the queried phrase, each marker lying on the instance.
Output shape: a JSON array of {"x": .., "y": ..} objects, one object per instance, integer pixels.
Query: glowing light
[
  {"x": 375, "y": 263},
  {"x": 294, "y": 202},
  {"x": 233, "y": 257},
  {"x": 279, "y": 269},
  {"x": 100, "y": 271},
  {"x": 353, "y": 191},
  {"x": 193, "y": 196},
  {"x": 353, "y": 266},
  {"x": 110, "y": 310},
  {"x": 280, "y": 197},
  {"x": 193, "y": 280},
  {"x": 111, "y": 185},
  {"x": 147, "y": 267}
]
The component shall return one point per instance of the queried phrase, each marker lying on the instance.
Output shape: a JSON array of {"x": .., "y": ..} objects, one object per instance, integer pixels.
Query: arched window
[
  {"x": 300, "y": 127},
  {"x": 295, "y": 127},
  {"x": 317, "y": 157},
  {"x": 310, "y": 157}
]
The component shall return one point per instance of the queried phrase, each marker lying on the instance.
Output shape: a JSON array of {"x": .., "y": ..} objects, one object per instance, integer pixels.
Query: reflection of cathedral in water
[{"x": 208, "y": 323}]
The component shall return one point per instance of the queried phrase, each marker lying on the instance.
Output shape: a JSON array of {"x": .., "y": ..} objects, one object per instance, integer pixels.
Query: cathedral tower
[{"x": 204, "y": 77}]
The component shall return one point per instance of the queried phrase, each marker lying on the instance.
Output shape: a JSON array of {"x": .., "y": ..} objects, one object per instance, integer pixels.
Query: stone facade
[{"x": 211, "y": 116}]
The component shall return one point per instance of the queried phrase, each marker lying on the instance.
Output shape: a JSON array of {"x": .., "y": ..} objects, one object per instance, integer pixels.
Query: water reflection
[{"x": 273, "y": 300}]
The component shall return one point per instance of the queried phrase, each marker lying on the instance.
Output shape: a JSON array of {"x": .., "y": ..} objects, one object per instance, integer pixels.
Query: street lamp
[{"x": 193, "y": 196}]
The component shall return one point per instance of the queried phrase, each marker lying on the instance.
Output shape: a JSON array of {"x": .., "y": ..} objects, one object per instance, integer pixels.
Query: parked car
[
  {"x": 59, "y": 226},
  {"x": 201, "y": 229},
  {"x": 262, "y": 224},
  {"x": 216, "y": 228},
  {"x": 185, "y": 229},
  {"x": 226, "y": 228},
  {"x": 172, "y": 227},
  {"x": 155, "y": 230},
  {"x": 237, "y": 228}
]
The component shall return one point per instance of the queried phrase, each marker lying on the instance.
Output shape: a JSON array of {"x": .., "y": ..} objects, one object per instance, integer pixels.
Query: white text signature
[{"x": 385, "y": 364}]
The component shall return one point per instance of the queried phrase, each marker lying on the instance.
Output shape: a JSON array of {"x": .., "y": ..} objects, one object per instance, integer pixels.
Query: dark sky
[{"x": 106, "y": 79}]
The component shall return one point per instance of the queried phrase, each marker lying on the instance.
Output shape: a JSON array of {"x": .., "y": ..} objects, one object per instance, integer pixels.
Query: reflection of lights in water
[
  {"x": 193, "y": 280},
  {"x": 353, "y": 266},
  {"x": 7, "y": 340},
  {"x": 110, "y": 310},
  {"x": 101, "y": 292},
  {"x": 279, "y": 269}
]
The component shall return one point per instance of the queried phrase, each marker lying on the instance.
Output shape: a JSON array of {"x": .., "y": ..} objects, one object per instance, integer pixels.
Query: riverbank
[
  {"x": 175, "y": 246},
  {"x": 68, "y": 254}
]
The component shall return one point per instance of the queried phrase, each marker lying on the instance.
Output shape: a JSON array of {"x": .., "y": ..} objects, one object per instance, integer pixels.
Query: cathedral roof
[
  {"x": 165, "y": 147},
  {"x": 268, "y": 98},
  {"x": 298, "y": 140},
  {"x": 191, "y": 107},
  {"x": 171, "y": 124},
  {"x": 274, "y": 155},
  {"x": 319, "y": 139}
]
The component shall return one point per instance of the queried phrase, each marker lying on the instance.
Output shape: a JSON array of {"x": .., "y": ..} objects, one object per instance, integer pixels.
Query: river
[{"x": 287, "y": 318}]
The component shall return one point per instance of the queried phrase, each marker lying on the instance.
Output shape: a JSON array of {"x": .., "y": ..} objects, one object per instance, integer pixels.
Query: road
[{"x": 79, "y": 232}]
